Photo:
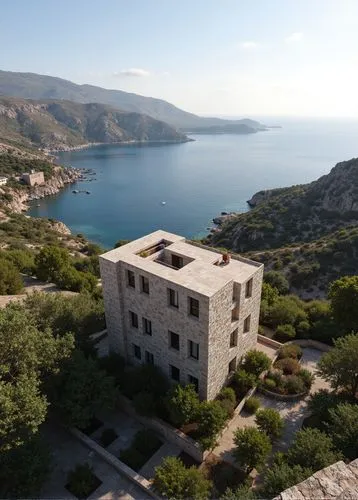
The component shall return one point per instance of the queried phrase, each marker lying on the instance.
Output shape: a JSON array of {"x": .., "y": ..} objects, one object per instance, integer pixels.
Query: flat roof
[{"x": 199, "y": 275}]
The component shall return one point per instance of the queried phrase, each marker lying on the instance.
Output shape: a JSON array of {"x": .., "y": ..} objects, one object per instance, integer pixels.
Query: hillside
[
  {"x": 308, "y": 232},
  {"x": 62, "y": 124},
  {"x": 33, "y": 86}
]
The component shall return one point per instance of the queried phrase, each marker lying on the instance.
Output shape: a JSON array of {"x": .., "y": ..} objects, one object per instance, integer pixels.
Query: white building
[
  {"x": 179, "y": 305},
  {"x": 3, "y": 181}
]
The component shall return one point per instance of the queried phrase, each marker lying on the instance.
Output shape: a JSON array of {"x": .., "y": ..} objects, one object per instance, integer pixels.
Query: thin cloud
[
  {"x": 137, "y": 72},
  {"x": 248, "y": 45},
  {"x": 294, "y": 37}
]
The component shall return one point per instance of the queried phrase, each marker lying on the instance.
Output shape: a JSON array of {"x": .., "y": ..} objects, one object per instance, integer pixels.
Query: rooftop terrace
[{"x": 183, "y": 262}]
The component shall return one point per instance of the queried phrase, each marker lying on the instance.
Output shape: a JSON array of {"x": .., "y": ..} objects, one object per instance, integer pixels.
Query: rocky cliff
[
  {"x": 298, "y": 214},
  {"x": 64, "y": 124}
]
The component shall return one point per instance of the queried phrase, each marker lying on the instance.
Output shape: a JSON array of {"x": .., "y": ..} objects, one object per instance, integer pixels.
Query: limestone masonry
[{"x": 186, "y": 308}]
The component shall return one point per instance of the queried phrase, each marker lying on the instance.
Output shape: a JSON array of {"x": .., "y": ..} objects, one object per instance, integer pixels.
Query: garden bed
[
  {"x": 145, "y": 443},
  {"x": 222, "y": 474},
  {"x": 82, "y": 482}
]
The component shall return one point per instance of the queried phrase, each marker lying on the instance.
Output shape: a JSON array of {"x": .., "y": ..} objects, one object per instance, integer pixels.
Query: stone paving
[{"x": 293, "y": 412}]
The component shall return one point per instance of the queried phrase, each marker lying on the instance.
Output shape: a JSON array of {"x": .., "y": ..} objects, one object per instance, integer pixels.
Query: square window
[
  {"x": 133, "y": 319},
  {"x": 174, "y": 341},
  {"x": 173, "y": 298},
  {"x": 147, "y": 326},
  {"x": 130, "y": 279},
  {"x": 174, "y": 373},
  {"x": 137, "y": 351},
  {"x": 232, "y": 365},
  {"x": 193, "y": 349},
  {"x": 248, "y": 288},
  {"x": 149, "y": 358},
  {"x": 194, "y": 307},
  {"x": 194, "y": 381},
  {"x": 233, "y": 338},
  {"x": 247, "y": 324},
  {"x": 144, "y": 284}
]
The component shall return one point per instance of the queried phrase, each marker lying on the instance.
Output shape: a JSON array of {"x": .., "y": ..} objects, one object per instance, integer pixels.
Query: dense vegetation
[{"x": 15, "y": 164}]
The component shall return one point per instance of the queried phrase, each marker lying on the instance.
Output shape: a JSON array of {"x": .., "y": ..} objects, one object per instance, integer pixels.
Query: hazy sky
[{"x": 227, "y": 57}]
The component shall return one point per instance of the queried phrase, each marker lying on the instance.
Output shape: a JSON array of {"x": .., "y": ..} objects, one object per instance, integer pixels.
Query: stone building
[
  {"x": 186, "y": 308},
  {"x": 3, "y": 181},
  {"x": 33, "y": 178}
]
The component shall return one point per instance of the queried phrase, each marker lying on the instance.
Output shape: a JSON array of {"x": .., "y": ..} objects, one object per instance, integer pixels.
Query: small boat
[
  {"x": 75, "y": 191},
  {"x": 88, "y": 192},
  {"x": 163, "y": 202},
  {"x": 38, "y": 205}
]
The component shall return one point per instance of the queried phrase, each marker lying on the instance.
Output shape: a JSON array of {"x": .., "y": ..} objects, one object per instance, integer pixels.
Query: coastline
[{"x": 89, "y": 145}]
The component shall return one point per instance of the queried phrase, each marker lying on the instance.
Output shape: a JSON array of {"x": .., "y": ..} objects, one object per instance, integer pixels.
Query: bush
[
  {"x": 146, "y": 378},
  {"x": 277, "y": 280},
  {"x": 252, "y": 448},
  {"x": 182, "y": 404},
  {"x": 108, "y": 436},
  {"x": 256, "y": 362},
  {"x": 244, "y": 381},
  {"x": 276, "y": 375},
  {"x": 269, "y": 420},
  {"x": 290, "y": 351},
  {"x": 294, "y": 385},
  {"x": 285, "y": 332},
  {"x": 144, "y": 404},
  {"x": 211, "y": 419},
  {"x": 313, "y": 449},
  {"x": 303, "y": 329},
  {"x": 81, "y": 481},
  {"x": 227, "y": 400},
  {"x": 252, "y": 404},
  {"x": 133, "y": 458},
  {"x": 147, "y": 442},
  {"x": 280, "y": 477},
  {"x": 10, "y": 278},
  {"x": 344, "y": 429},
  {"x": 269, "y": 384},
  {"x": 322, "y": 401},
  {"x": 289, "y": 366},
  {"x": 307, "y": 377},
  {"x": 173, "y": 480}
]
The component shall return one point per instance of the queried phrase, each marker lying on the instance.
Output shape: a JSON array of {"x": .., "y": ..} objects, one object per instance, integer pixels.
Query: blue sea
[{"x": 196, "y": 180}]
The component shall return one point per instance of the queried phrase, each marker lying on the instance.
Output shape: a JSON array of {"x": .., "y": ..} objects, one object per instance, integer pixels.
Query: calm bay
[{"x": 196, "y": 180}]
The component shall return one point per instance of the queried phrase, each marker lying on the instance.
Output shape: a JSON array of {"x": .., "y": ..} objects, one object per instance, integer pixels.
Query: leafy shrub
[
  {"x": 252, "y": 404},
  {"x": 303, "y": 329},
  {"x": 277, "y": 280},
  {"x": 252, "y": 448},
  {"x": 133, "y": 458},
  {"x": 183, "y": 404},
  {"x": 289, "y": 366},
  {"x": 144, "y": 404},
  {"x": 244, "y": 381},
  {"x": 294, "y": 385},
  {"x": 211, "y": 419},
  {"x": 290, "y": 351},
  {"x": 343, "y": 429},
  {"x": 285, "y": 332},
  {"x": 256, "y": 362},
  {"x": 279, "y": 477},
  {"x": 10, "y": 278},
  {"x": 276, "y": 375},
  {"x": 81, "y": 481},
  {"x": 147, "y": 442},
  {"x": 307, "y": 377},
  {"x": 227, "y": 400},
  {"x": 269, "y": 384},
  {"x": 269, "y": 420},
  {"x": 322, "y": 401},
  {"x": 108, "y": 436}
]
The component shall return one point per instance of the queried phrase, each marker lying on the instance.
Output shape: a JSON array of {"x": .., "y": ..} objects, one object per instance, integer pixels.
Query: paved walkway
[
  {"x": 166, "y": 450},
  {"x": 293, "y": 412}
]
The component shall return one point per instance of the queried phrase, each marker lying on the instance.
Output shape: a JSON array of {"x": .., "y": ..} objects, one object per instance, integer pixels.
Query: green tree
[
  {"x": 244, "y": 381},
  {"x": 173, "y": 480},
  {"x": 279, "y": 477},
  {"x": 243, "y": 492},
  {"x": 343, "y": 429},
  {"x": 285, "y": 332},
  {"x": 49, "y": 261},
  {"x": 252, "y": 448},
  {"x": 344, "y": 302},
  {"x": 183, "y": 404},
  {"x": 256, "y": 362},
  {"x": 269, "y": 294},
  {"x": 277, "y": 280},
  {"x": 211, "y": 419},
  {"x": 23, "y": 260},
  {"x": 321, "y": 402},
  {"x": 269, "y": 420},
  {"x": 10, "y": 278},
  {"x": 24, "y": 469},
  {"x": 27, "y": 357},
  {"x": 286, "y": 310},
  {"x": 81, "y": 390},
  {"x": 313, "y": 449},
  {"x": 340, "y": 365}
]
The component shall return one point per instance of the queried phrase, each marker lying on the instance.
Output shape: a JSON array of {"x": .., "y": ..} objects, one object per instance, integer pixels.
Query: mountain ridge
[
  {"x": 38, "y": 87},
  {"x": 60, "y": 124}
]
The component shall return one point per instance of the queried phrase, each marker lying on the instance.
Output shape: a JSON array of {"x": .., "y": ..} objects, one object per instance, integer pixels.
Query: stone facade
[{"x": 219, "y": 288}]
